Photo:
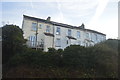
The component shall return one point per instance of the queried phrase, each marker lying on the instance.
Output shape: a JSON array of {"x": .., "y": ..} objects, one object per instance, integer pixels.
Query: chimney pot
[
  {"x": 48, "y": 19},
  {"x": 82, "y": 26}
]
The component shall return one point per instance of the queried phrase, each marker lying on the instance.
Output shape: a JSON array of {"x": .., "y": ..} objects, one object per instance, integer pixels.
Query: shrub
[
  {"x": 51, "y": 50},
  {"x": 74, "y": 56},
  {"x": 12, "y": 42},
  {"x": 99, "y": 60}
]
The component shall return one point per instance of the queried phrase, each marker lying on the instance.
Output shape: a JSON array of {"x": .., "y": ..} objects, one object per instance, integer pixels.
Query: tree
[
  {"x": 106, "y": 57},
  {"x": 74, "y": 56},
  {"x": 12, "y": 41}
]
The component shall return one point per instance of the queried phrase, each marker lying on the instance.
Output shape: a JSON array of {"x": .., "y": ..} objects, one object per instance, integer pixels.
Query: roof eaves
[
  {"x": 61, "y": 24},
  {"x": 95, "y": 31}
]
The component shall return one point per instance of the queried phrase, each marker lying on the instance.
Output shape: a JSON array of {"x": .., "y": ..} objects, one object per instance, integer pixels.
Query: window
[
  {"x": 96, "y": 37},
  {"x": 58, "y": 30},
  {"x": 78, "y": 34},
  {"x": 92, "y": 36},
  {"x": 48, "y": 29},
  {"x": 32, "y": 40},
  {"x": 34, "y": 26},
  {"x": 87, "y": 35},
  {"x": 58, "y": 42},
  {"x": 40, "y": 26},
  {"x": 69, "y": 32},
  {"x": 67, "y": 41}
]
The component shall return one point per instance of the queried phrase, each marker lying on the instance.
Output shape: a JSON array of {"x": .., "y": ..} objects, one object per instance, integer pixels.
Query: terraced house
[{"x": 45, "y": 34}]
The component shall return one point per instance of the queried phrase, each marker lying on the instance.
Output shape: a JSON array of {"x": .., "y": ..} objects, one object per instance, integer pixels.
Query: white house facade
[{"x": 45, "y": 34}]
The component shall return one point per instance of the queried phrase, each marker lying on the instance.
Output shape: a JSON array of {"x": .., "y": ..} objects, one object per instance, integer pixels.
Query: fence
[{"x": 34, "y": 44}]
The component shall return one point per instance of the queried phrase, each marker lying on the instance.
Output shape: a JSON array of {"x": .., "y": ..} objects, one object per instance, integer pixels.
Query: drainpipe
[
  {"x": 53, "y": 36},
  {"x": 36, "y": 34}
]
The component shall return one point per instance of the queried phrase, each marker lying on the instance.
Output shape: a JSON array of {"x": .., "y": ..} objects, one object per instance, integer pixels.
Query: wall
[{"x": 50, "y": 41}]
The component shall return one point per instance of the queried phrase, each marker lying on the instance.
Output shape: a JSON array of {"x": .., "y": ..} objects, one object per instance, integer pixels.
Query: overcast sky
[{"x": 99, "y": 15}]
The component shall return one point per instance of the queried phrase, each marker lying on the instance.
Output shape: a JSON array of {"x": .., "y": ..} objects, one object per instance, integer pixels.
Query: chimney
[
  {"x": 82, "y": 26},
  {"x": 48, "y": 19}
]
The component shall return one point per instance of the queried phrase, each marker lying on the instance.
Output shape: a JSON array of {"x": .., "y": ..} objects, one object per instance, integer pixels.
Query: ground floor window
[
  {"x": 58, "y": 42},
  {"x": 32, "y": 40}
]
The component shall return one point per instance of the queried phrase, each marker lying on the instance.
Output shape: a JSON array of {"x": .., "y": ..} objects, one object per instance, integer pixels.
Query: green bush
[
  {"x": 97, "y": 61},
  {"x": 74, "y": 56},
  {"x": 51, "y": 50},
  {"x": 12, "y": 42},
  {"x": 106, "y": 60}
]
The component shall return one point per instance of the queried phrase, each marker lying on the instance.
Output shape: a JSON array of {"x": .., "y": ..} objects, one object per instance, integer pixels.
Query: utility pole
[{"x": 36, "y": 35}]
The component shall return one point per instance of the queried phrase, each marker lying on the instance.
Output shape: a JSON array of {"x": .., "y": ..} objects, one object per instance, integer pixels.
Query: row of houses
[{"x": 44, "y": 33}]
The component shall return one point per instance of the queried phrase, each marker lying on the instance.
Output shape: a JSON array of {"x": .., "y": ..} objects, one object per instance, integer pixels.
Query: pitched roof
[
  {"x": 60, "y": 24},
  {"x": 94, "y": 31}
]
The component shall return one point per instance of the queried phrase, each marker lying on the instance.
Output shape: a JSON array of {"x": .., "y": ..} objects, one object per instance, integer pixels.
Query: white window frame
[
  {"x": 58, "y": 30},
  {"x": 78, "y": 35},
  {"x": 32, "y": 40},
  {"x": 40, "y": 26},
  {"x": 48, "y": 29},
  {"x": 69, "y": 32},
  {"x": 87, "y": 36},
  {"x": 34, "y": 26},
  {"x": 58, "y": 42}
]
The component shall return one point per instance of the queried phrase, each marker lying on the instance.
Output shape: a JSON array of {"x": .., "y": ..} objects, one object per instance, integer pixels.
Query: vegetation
[
  {"x": 12, "y": 41},
  {"x": 72, "y": 62}
]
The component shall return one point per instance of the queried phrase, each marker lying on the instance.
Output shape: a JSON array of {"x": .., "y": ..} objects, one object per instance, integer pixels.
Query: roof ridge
[{"x": 62, "y": 24}]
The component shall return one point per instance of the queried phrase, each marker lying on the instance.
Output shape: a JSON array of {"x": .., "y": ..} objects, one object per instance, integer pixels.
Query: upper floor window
[
  {"x": 87, "y": 35},
  {"x": 34, "y": 26},
  {"x": 69, "y": 32},
  {"x": 48, "y": 29},
  {"x": 58, "y": 30},
  {"x": 96, "y": 36},
  {"x": 78, "y": 34},
  {"x": 40, "y": 26}
]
